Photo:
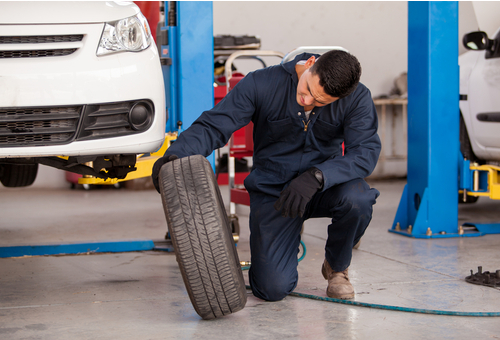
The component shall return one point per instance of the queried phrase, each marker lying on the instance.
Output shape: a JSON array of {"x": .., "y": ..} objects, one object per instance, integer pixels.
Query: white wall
[
  {"x": 467, "y": 22},
  {"x": 373, "y": 31},
  {"x": 487, "y": 16}
]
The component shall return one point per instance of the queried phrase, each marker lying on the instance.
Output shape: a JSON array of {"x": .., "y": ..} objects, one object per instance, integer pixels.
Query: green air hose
[{"x": 386, "y": 307}]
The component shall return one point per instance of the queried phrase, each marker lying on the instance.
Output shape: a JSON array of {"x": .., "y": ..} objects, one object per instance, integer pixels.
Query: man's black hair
[{"x": 338, "y": 72}]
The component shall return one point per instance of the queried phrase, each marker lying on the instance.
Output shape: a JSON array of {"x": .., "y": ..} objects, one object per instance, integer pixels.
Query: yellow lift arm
[
  {"x": 493, "y": 190},
  {"x": 144, "y": 165}
]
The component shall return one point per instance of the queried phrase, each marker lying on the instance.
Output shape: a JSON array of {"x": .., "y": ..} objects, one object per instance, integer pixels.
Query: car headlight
[{"x": 130, "y": 34}]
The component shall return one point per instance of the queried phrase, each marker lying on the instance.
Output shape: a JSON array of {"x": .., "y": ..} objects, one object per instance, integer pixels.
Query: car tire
[
  {"x": 201, "y": 237},
  {"x": 18, "y": 175}
]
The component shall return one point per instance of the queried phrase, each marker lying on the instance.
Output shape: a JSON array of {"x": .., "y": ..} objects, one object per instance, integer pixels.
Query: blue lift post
[
  {"x": 190, "y": 76},
  {"x": 429, "y": 204}
]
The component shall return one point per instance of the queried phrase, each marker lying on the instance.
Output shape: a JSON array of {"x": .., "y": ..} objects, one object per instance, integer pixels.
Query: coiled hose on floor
[{"x": 377, "y": 306}]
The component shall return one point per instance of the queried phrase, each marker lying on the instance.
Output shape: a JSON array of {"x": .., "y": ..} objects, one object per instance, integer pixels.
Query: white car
[
  {"x": 81, "y": 80},
  {"x": 480, "y": 98}
]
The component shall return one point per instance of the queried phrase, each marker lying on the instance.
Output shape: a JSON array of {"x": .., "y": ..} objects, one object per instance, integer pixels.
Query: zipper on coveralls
[{"x": 306, "y": 124}]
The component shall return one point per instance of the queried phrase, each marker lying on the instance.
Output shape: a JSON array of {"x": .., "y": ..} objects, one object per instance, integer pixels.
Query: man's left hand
[{"x": 294, "y": 198}]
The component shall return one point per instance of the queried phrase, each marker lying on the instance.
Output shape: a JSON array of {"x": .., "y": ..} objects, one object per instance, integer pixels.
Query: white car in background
[
  {"x": 480, "y": 98},
  {"x": 81, "y": 80}
]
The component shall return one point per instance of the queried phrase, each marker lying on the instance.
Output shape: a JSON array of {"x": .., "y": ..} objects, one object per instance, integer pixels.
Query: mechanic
[{"x": 302, "y": 112}]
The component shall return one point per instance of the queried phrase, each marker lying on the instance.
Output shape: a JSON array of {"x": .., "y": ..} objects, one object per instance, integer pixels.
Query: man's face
[{"x": 309, "y": 91}]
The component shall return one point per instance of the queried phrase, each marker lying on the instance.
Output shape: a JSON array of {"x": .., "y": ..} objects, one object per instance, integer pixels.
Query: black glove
[
  {"x": 294, "y": 198},
  {"x": 157, "y": 166}
]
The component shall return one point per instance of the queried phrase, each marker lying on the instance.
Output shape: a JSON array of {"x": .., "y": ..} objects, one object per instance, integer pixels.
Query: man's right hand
[{"x": 157, "y": 166}]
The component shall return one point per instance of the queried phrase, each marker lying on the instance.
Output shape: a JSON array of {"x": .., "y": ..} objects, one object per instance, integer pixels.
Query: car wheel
[
  {"x": 201, "y": 236},
  {"x": 18, "y": 175}
]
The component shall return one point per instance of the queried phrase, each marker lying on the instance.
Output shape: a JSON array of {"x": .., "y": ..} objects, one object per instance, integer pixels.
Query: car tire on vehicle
[
  {"x": 18, "y": 175},
  {"x": 201, "y": 237}
]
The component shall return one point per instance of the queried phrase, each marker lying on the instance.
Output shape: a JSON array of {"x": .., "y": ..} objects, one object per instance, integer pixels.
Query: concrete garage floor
[{"x": 140, "y": 295}]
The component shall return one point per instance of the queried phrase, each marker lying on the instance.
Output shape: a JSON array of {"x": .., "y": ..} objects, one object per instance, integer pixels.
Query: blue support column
[
  {"x": 191, "y": 76},
  {"x": 429, "y": 204},
  {"x": 195, "y": 59}
]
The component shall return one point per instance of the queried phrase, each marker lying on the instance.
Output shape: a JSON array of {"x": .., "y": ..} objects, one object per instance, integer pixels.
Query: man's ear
[{"x": 310, "y": 62}]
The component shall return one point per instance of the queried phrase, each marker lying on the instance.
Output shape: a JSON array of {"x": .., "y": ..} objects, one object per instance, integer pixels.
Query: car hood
[{"x": 64, "y": 12}]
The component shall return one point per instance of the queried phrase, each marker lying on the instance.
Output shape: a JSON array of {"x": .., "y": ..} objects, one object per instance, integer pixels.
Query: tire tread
[
  {"x": 18, "y": 175},
  {"x": 202, "y": 238}
]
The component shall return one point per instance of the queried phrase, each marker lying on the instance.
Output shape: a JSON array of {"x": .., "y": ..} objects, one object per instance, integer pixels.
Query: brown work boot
[{"x": 339, "y": 286}]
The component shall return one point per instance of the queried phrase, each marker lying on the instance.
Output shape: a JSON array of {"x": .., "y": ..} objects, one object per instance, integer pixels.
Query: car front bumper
[{"x": 79, "y": 79}]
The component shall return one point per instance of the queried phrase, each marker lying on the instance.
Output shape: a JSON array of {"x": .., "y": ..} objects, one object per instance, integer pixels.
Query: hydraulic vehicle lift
[{"x": 436, "y": 168}]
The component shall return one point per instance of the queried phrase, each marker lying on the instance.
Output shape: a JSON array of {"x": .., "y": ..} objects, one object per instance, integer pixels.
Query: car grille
[
  {"x": 38, "y": 53},
  {"x": 38, "y": 126},
  {"x": 39, "y": 39}
]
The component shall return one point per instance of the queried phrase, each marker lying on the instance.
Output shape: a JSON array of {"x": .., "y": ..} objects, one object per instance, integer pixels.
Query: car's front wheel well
[{"x": 465, "y": 144}]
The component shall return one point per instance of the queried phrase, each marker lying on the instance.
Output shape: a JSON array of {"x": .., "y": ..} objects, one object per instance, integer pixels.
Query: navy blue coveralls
[{"x": 286, "y": 145}]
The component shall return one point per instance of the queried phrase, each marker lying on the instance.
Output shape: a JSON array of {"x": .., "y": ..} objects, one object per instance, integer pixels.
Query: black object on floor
[{"x": 484, "y": 278}]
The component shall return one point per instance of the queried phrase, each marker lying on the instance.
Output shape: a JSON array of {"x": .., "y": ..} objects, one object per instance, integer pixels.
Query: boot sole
[{"x": 342, "y": 297}]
